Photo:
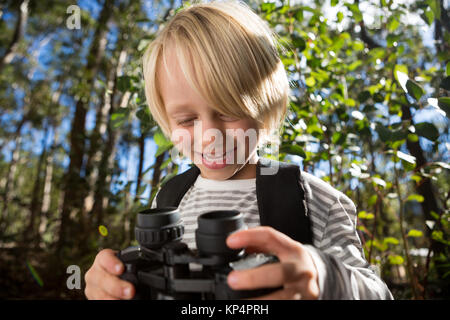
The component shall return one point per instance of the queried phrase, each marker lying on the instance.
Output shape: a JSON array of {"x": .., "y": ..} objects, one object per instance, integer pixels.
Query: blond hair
[{"x": 229, "y": 56}]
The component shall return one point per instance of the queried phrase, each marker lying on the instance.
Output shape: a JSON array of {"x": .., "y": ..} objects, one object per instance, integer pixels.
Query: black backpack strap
[
  {"x": 281, "y": 199},
  {"x": 174, "y": 189}
]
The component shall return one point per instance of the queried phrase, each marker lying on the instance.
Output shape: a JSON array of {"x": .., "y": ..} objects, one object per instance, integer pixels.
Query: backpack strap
[
  {"x": 281, "y": 199},
  {"x": 174, "y": 189}
]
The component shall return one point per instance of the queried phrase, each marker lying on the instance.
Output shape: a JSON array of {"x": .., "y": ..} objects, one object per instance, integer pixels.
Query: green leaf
[
  {"x": 357, "y": 15},
  {"x": 363, "y": 96},
  {"x": 144, "y": 115},
  {"x": 391, "y": 240},
  {"x": 310, "y": 81},
  {"x": 413, "y": 137},
  {"x": 165, "y": 163},
  {"x": 340, "y": 16},
  {"x": 401, "y": 76},
  {"x": 299, "y": 15},
  {"x": 372, "y": 200},
  {"x": 396, "y": 259},
  {"x": 415, "y": 197},
  {"x": 338, "y": 138},
  {"x": 444, "y": 104},
  {"x": 427, "y": 130},
  {"x": 443, "y": 165},
  {"x": 447, "y": 69},
  {"x": 383, "y": 132},
  {"x": 429, "y": 15},
  {"x": 414, "y": 89},
  {"x": 413, "y": 233},
  {"x": 435, "y": 7},
  {"x": 439, "y": 236},
  {"x": 162, "y": 149},
  {"x": 406, "y": 157},
  {"x": 267, "y": 7},
  {"x": 160, "y": 139},
  {"x": 400, "y": 68},
  {"x": 416, "y": 178},
  {"x": 293, "y": 149},
  {"x": 143, "y": 44},
  {"x": 298, "y": 42},
  {"x": 391, "y": 39},
  {"x": 445, "y": 84},
  {"x": 334, "y": 2},
  {"x": 124, "y": 83},
  {"x": 393, "y": 24},
  {"x": 354, "y": 65},
  {"x": 379, "y": 181},
  {"x": 119, "y": 117},
  {"x": 358, "y": 45},
  {"x": 365, "y": 215}
]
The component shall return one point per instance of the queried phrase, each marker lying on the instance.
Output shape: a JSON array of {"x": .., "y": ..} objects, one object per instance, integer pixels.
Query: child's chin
[{"x": 217, "y": 174}]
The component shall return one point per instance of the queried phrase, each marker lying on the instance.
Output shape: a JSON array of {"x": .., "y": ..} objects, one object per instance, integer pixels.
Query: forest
[{"x": 80, "y": 153}]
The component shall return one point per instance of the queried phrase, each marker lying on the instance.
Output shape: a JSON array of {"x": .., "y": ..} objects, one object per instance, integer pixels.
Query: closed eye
[{"x": 185, "y": 122}]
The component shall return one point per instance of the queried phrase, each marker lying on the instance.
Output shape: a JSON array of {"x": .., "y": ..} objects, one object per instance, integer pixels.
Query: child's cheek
[{"x": 183, "y": 141}]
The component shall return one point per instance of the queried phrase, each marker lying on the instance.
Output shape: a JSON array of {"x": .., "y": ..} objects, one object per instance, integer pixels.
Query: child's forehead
[{"x": 177, "y": 80}]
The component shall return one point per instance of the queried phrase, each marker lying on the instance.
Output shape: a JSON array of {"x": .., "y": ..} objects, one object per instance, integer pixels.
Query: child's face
[{"x": 185, "y": 108}]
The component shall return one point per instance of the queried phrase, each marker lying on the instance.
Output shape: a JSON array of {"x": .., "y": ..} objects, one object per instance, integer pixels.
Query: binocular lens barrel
[
  {"x": 155, "y": 227},
  {"x": 213, "y": 229}
]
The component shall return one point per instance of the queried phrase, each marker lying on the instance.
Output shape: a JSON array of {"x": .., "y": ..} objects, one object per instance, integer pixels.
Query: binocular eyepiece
[{"x": 156, "y": 227}]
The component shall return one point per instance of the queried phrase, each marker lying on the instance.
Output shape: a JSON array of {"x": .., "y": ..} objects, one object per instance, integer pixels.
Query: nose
[{"x": 213, "y": 134}]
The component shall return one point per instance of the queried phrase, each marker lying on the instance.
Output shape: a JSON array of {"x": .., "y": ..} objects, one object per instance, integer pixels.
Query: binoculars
[{"x": 163, "y": 267}]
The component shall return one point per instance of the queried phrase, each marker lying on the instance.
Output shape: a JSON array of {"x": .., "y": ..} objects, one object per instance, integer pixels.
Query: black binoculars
[{"x": 162, "y": 267}]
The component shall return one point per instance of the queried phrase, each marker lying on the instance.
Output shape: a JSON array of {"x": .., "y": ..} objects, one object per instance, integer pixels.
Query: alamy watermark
[
  {"x": 222, "y": 149},
  {"x": 74, "y": 280},
  {"x": 74, "y": 20}
]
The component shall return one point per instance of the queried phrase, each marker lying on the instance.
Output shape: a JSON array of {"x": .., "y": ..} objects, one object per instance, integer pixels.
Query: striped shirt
[{"x": 337, "y": 252}]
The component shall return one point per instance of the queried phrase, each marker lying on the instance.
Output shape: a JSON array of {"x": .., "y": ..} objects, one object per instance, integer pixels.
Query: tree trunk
[
  {"x": 93, "y": 165},
  {"x": 19, "y": 31},
  {"x": 8, "y": 183},
  {"x": 101, "y": 198},
  {"x": 74, "y": 184},
  {"x": 426, "y": 187},
  {"x": 35, "y": 206},
  {"x": 96, "y": 139},
  {"x": 140, "y": 165},
  {"x": 426, "y": 190}
]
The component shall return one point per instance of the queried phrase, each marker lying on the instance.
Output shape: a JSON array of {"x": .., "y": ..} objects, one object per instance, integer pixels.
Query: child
[{"x": 214, "y": 71}]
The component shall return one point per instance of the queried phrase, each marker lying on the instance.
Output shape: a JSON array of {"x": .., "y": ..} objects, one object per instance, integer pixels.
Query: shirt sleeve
[{"x": 343, "y": 271}]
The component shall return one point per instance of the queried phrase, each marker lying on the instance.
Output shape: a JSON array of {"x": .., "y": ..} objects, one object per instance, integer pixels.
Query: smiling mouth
[{"x": 213, "y": 157}]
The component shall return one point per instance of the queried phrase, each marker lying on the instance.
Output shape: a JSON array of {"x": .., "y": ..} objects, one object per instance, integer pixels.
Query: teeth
[
  {"x": 208, "y": 157},
  {"x": 212, "y": 158}
]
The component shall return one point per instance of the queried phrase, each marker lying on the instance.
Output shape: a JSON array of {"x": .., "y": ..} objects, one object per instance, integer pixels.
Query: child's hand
[
  {"x": 295, "y": 272},
  {"x": 102, "y": 281}
]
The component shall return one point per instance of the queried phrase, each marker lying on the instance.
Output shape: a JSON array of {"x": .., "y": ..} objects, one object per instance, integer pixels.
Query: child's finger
[
  {"x": 264, "y": 239},
  {"x": 108, "y": 260},
  {"x": 268, "y": 276}
]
